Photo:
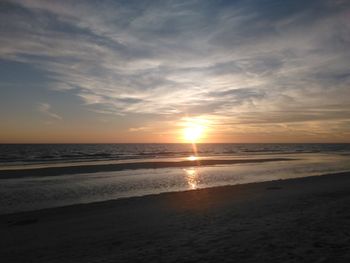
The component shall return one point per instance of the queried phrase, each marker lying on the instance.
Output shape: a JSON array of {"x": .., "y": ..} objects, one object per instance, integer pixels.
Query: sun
[
  {"x": 193, "y": 133},
  {"x": 194, "y": 129}
]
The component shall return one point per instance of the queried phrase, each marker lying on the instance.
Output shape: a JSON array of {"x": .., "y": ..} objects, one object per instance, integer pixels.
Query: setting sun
[
  {"x": 194, "y": 129},
  {"x": 193, "y": 133}
]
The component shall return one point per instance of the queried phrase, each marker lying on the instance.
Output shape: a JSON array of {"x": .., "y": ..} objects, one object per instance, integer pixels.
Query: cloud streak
[
  {"x": 239, "y": 60},
  {"x": 45, "y": 109}
]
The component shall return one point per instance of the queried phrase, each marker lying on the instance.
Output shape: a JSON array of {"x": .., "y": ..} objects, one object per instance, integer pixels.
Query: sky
[{"x": 143, "y": 71}]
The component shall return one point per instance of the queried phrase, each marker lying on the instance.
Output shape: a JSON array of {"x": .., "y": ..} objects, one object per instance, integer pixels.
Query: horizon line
[{"x": 14, "y": 143}]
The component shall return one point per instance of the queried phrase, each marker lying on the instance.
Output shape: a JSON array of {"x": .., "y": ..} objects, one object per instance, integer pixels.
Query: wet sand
[
  {"x": 295, "y": 220},
  {"x": 94, "y": 168}
]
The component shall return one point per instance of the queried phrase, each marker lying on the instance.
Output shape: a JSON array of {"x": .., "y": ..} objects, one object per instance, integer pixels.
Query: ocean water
[
  {"x": 32, "y": 192},
  {"x": 27, "y": 154}
]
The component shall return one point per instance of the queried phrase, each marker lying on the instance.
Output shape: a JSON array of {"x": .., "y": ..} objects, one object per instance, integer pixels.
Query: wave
[
  {"x": 93, "y": 168},
  {"x": 23, "y": 154}
]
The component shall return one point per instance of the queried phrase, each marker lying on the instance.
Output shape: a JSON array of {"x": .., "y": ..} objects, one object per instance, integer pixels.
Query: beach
[
  {"x": 293, "y": 220},
  {"x": 174, "y": 131},
  {"x": 148, "y": 164}
]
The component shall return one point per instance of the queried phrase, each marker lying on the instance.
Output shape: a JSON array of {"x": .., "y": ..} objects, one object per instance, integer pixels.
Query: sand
[
  {"x": 296, "y": 220},
  {"x": 95, "y": 167}
]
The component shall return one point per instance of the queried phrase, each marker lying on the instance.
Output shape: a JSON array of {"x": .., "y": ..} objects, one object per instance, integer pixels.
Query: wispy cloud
[
  {"x": 138, "y": 129},
  {"x": 45, "y": 109},
  {"x": 250, "y": 62}
]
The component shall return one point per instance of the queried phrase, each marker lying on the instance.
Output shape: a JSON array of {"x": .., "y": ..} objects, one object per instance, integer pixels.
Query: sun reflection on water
[
  {"x": 192, "y": 158},
  {"x": 191, "y": 176}
]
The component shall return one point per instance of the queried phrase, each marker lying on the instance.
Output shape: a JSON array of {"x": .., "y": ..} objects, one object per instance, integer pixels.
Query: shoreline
[
  {"x": 80, "y": 169},
  {"x": 214, "y": 189},
  {"x": 293, "y": 220}
]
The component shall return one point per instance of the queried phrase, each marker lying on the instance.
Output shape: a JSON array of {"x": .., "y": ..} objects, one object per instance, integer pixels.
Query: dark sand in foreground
[{"x": 297, "y": 220}]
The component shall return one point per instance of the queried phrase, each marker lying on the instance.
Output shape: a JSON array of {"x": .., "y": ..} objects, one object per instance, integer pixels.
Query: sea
[{"x": 41, "y": 190}]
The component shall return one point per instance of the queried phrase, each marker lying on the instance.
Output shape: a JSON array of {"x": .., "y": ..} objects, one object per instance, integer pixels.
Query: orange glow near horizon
[
  {"x": 194, "y": 130},
  {"x": 193, "y": 133}
]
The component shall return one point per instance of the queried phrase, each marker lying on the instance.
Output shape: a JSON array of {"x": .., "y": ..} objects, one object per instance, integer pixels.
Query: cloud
[
  {"x": 45, "y": 109},
  {"x": 138, "y": 129},
  {"x": 251, "y": 61}
]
